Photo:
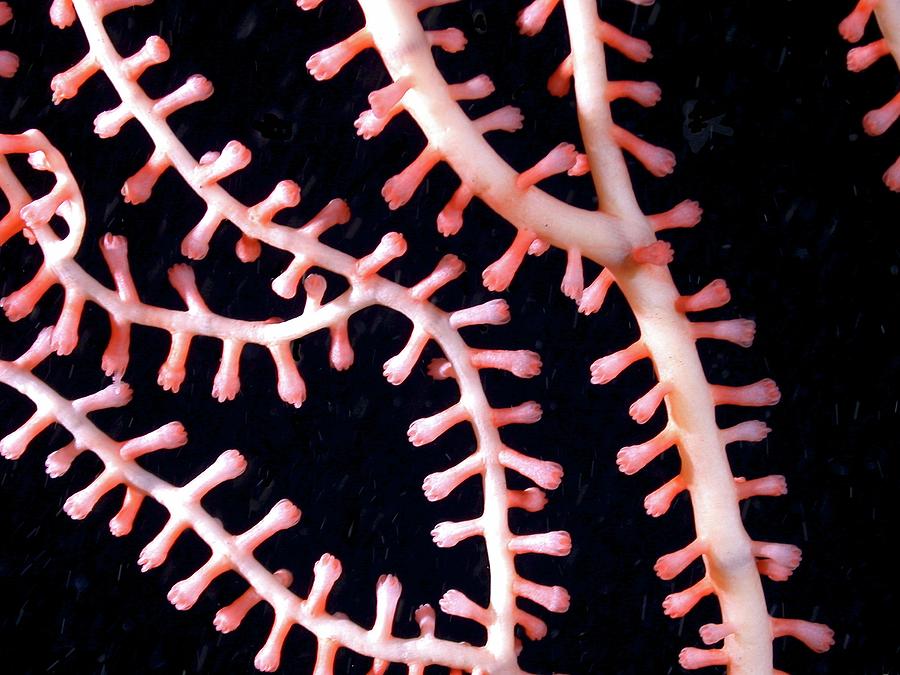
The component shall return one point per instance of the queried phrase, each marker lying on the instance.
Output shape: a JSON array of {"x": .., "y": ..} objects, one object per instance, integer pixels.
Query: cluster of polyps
[
  {"x": 619, "y": 237},
  {"x": 887, "y": 14}
]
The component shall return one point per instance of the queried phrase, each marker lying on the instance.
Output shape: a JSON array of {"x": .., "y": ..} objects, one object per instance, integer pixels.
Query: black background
[{"x": 765, "y": 122}]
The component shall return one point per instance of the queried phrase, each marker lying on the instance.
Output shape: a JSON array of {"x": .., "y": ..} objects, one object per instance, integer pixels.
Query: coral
[{"x": 610, "y": 252}]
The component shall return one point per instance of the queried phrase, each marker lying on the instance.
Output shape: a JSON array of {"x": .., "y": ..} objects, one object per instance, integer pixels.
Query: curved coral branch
[
  {"x": 490, "y": 459},
  {"x": 640, "y": 270}
]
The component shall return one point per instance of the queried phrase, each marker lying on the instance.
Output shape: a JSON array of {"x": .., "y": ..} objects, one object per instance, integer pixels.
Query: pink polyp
[
  {"x": 658, "y": 253},
  {"x": 291, "y": 387},
  {"x": 508, "y": 118},
  {"x": 228, "y": 466},
  {"x": 387, "y": 595},
  {"x": 786, "y": 555},
  {"x": 672, "y": 564},
  {"x": 449, "y": 534},
  {"x": 547, "y": 475},
  {"x": 154, "y": 52},
  {"x": 534, "y": 628},
  {"x": 692, "y": 658},
  {"x": 532, "y": 19},
  {"x": 499, "y": 274},
  {"x": 448, "y": 268},
  {"x": 456, "y": 603},
  {"x": 559, "y": 160},
  {"x": 386, "y": 98},
  {"x": 229, "y": 618},
  {"x": 644, "y": 408},
  {"x": 326, "y": 572},
  {"x": 285, "y": 195},
  {"x": 677, "y": 605},
  {"x": 116, "y": 395},
  {"x": 282, "y": 516},
  {"x": 6, "y": 13},
  {"x": 532, "y": 499},
  {"x": 491, "y": 313},
  {"x": 138, "y": 188},
  {"x": 167, "y": 437},
  {"x": 79, "y": 505},
  {"x": 65, "y": 85},
  {"x": 21, "y": 303},
  {"x": 768, "y": 486},
  {"x": 391, "y": 246},
  {"x": 368, "y": 125},
  {"x": 607, "y": 368},
  {"x": 738, "y": 331},
  {"x": 340, "y": 354},
  {"x": 115, "y": 253},
  {"x": 593, "y": 296},
  {"x": 327, "y": 63},
  {"x": 451, "y": 40},
  {"x": 154, "y": 553},
  {"x": 234, "y": 157},
  {"x": 172, "y": 372},
  {"x": 335, "y": 212},
  {"x": 633, "y": 458},
  {"x": 315, "y": 287},
  {"x": 880, "y": 120},
  {"x": 478, "y": 87},
  {"x": 123, "y": 521},
  {"x": 524, "y": 413},
  {"x": 196, "y": 89},
  {"x": 185, "y": 594},
  {"x": 184, "y": 281},
  {"x": 427, "y": 429},
  {"x": 853, "y": 27},
  {"x": 684, "y": 214},
  {"x": 552, "y": 598},
  {"x": 891, "y": 177},
  {"x": 658, "y": 161},
  {"x": 39, "y": 350},
  {"x": 285, "y": 284},
  {"x": 399, "y": 189},
  {"x": 40, "y": 211},
  {"x": 398, "y": 368},
  {"x": 65, "y": 334},
  {"x": 860, "y": 58},
  {"x": 751, "y": 431},
  {"x": 14, "y": 445},
  {"x": 630, "y": 47},
  {"x": 62, "y": 13},
  {"x": 9, "y": 63},
  {"x": 816, "y": 636},
  {"x": 647, "y": 94},
  {"x": 196, "y": 244},
  {"x": 572, "y": 284},
  {"x": 774, "y": 571},
  {"x": 268, "y": 659},
  {"x": 227, "y": 383},
  {"x": 712, "y": 633},
  {"x": 521, "y": 363},
  {"x": 247, "y": 249},
  {"x": 557, "y": 543},
  {"x": 426, "y": 618},
  {"x": 441, "y": 369},
  {"x": 560, "y": 82},
  {"x": 59, "y": 461},
  {"x": 762, "y": 393},
  {"x": 450, "y": 219},
  {"x": 436, "y": 486},
  {"x": 714, "y": 294}
]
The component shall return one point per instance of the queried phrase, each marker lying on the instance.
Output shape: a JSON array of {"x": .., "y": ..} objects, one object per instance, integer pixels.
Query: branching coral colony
[{"x": 617, "y": 236}]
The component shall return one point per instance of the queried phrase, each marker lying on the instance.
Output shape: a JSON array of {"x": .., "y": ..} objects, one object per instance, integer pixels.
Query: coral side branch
[{"x": 229, "y": 552}]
